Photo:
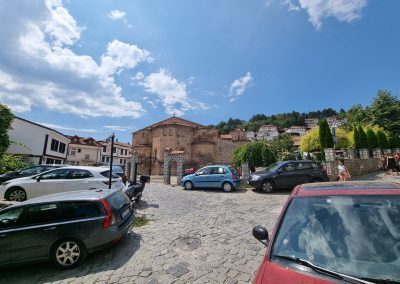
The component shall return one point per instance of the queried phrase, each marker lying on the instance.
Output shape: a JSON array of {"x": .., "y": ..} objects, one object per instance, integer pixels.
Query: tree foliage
[
  {"x": 283, "y": 147},
  {"x": 385, "y": 111},
  {"x": 310, "y": 141},
  {"x": 6, "y": 118},
  {"x": 382, "y": 140},
  {"x": 372, "y": 140},
  {"x": 363, "y": 138},
  {"x": 12, "y": 162},
  {"x": 356, "y": 138},
  {"x": 256, "y": 154}
]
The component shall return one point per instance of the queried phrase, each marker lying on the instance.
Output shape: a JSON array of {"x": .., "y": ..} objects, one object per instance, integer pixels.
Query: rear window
[
  {"x": 107, "y": 174},
  {"x": 79, "y": 209},
  {"x": 117, "y": 200}
]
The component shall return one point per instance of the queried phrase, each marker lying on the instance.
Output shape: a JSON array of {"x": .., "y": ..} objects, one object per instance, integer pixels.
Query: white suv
[{"x": 59, "y": 180}]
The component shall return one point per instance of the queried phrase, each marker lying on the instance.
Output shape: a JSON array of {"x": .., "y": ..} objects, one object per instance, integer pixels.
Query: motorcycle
[{"x": 134, "y": 190}]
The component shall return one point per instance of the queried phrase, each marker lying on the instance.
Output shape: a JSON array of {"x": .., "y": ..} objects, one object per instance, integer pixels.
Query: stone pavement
[{"x": 199, "y": 236}]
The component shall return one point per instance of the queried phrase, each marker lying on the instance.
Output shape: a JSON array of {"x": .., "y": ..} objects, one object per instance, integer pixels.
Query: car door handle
[{"x": 50, "y": 229}]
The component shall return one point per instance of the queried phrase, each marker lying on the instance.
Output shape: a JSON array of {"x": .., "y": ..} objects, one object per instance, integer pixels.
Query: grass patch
[{"x": 140, "y": 221}]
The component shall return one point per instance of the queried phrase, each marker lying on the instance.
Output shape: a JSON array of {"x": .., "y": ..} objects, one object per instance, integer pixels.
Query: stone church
[{"x": 201, "y": 145}]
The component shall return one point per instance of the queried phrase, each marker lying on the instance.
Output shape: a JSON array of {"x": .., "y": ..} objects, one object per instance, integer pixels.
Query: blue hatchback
[{"x": 215, "y": 176}]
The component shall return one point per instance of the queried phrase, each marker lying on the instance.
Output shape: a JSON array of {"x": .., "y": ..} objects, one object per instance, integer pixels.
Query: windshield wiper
[{"x": 322, "y": 270}]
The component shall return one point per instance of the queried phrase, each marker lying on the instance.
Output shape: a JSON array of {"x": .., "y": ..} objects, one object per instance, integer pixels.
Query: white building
[
  {"x": 296, "y": 130},
  {"x": 83, "y": 151},
  {"x": 251, "y": 135},
  {"x": 268, "y": 132},
  {"x": 42, "y": 144},
  {"x": 311, "y": 122},
  {"x": 335, "y": 121},
  {"x": 122, "y": 153}
]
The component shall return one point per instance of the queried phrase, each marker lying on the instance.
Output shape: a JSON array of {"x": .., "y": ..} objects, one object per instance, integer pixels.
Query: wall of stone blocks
[{"x": 356, "y": 167}]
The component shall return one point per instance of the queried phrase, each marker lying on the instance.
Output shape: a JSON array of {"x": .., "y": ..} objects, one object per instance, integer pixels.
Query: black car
[
  {"x": 26, "y": 172},
  {"x": 288, "y": 174},
  {"x": 63, "y": 227}
]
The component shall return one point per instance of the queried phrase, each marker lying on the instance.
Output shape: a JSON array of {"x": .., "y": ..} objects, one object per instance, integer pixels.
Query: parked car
[
  {"x": 30, "y": 171},
  {"x": 217, "y": 176},
  {"x": 335, "y": 232},
  {"x": 119, "y": 171},
  {"x": 70, "y": 178},
  {"x": 63, "y": 227},
  {"x": 288, "y": 174}
]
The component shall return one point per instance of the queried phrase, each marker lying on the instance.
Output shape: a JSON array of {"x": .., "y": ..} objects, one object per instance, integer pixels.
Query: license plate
[{"x": 125, "y": 213}]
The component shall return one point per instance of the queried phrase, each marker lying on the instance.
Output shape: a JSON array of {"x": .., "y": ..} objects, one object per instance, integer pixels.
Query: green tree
[
  {"x": 385, "y": 111},
  {"x": 393, "y": 141},
  {"x": 310, "y": 141},
  {"x": 12, "y": 162},
  {"x": 372, "y": 140},
  {"x": 356, "y": 115},
  {"x": 256, "y": 154},
  {"x": 382, "y": 140},
  {"x": 325, "y": 137},
  {"x": 356, "y": 136},
  {"x": 362, "y": 138},
  {"x": 6, "y": 118},
  {"x": 282, "y": 147}
]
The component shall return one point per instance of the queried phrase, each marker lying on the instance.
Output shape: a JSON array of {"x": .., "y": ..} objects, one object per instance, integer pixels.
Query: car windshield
[
  {"x": 354, "y": 235},
  {"x": 273, "y": 167}
]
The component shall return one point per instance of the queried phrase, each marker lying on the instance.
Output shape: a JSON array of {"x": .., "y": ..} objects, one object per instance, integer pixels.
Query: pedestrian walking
[
  {"x": 391, "y": 164},
  {"x": 344, "y": 174}
]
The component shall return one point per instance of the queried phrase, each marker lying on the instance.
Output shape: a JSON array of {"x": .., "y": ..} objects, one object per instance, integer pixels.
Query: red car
[{"x": 346, "y": 232}]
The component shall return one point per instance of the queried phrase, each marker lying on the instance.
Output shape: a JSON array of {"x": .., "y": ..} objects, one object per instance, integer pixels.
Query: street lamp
[{"x": 111, "y": 157}]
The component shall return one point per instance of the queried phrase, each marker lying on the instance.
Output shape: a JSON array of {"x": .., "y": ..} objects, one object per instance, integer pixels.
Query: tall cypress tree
[
  {"x": 372, "y": 140},
  {"x": 356, "y": 137},
  {"x": 382, "y": 140},
  {"x": 363, "y": 137}
]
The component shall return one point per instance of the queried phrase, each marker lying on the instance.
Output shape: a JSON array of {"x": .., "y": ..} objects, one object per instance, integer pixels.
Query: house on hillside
[
  {"x": 268, "y": 132},
  {"x": 83, "y": 151},
  {"x": 296, "y": 130}
]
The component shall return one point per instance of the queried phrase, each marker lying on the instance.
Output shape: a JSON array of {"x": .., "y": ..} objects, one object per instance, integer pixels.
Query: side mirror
[
  {"x": 261, "y": 234},
  {"x": 38, "y": 178}
]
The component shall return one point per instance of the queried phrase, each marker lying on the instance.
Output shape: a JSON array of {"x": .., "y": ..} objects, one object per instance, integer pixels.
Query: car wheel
[
  {"x": 227, "y": 186},
  {"x": 68, "y": 253},
  {"x": 188, "y": 185},
  {"x": 16, "y": 194},
  {"x": 268, "y": 186}
]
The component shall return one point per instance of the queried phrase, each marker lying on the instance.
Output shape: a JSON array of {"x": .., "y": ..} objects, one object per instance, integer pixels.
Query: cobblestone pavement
[{"x": 199, "y": 236}]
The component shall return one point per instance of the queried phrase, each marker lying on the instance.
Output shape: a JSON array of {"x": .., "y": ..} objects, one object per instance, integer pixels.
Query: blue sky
[{"x": 96, "y": 67}]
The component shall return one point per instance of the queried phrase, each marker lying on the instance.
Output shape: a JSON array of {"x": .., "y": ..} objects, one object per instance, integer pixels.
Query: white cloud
[
  {"x": 116, "y": 15},
  {"x": 118, "y": 127},
  {"x": 343, "y": 10},
  {"x": 38, "y": 68},
  {"x": 71, "y": 129},
  {"x": 172, "y": 93},
  {"x": 238, "y": 87}
]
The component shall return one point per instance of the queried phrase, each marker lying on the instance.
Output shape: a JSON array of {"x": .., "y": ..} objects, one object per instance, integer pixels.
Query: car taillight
[{"x": 109, "y": 220}]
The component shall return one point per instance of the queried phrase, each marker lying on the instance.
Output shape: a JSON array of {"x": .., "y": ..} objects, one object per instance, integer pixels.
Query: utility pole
[{"x": 111, "y": 158}]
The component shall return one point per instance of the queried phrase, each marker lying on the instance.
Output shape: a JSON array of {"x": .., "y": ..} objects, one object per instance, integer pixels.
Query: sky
[{"x": 93, "y": 68}]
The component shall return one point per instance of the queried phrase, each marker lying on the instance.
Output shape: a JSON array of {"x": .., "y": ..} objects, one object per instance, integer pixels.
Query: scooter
[{"x": 135, "y": 190}]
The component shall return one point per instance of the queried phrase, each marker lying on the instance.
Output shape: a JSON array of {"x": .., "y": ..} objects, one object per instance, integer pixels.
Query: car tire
[
  {"x": 188, "y": 185},
  {"x": 267, "y": 186},
  {"x": 227, "y": 186},
  {"x": 68, "y": 253},
  {"x": 16, "y": 194}
]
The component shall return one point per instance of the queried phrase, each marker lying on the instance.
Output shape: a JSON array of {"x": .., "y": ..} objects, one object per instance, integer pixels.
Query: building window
[
  {"x": 120, "y": 161},
  {"x": 104, "y": 148},
  {"x": 114, "y": 150},
  {"x": 126, "y": 152},
  {"x": 103, "y": 159},
  {"x": 73, "y": 152},
  {"x": 122, "y": 151},
  {"x": 62, "y": 148},
  {"x": 54, "y": 145},
  {"x": 87, "y": 156},
  {"x": 50, "y": 160},
  {"x": 58, "y": 162},
  {"x": 107, "y": 159},
  {"x": 79, "y": 150}
]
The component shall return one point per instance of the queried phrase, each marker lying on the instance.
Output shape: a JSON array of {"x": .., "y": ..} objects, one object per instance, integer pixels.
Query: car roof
[
  {"x": 347, "y": 188},
  {"x": 79, "y": 195}
]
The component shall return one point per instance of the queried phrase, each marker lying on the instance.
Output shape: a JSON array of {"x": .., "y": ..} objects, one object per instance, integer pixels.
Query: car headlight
[{"x": 255, "y": 177}]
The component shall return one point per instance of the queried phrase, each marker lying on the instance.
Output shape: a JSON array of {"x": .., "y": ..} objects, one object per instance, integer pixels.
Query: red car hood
[{"x": 271, "y": 273}]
